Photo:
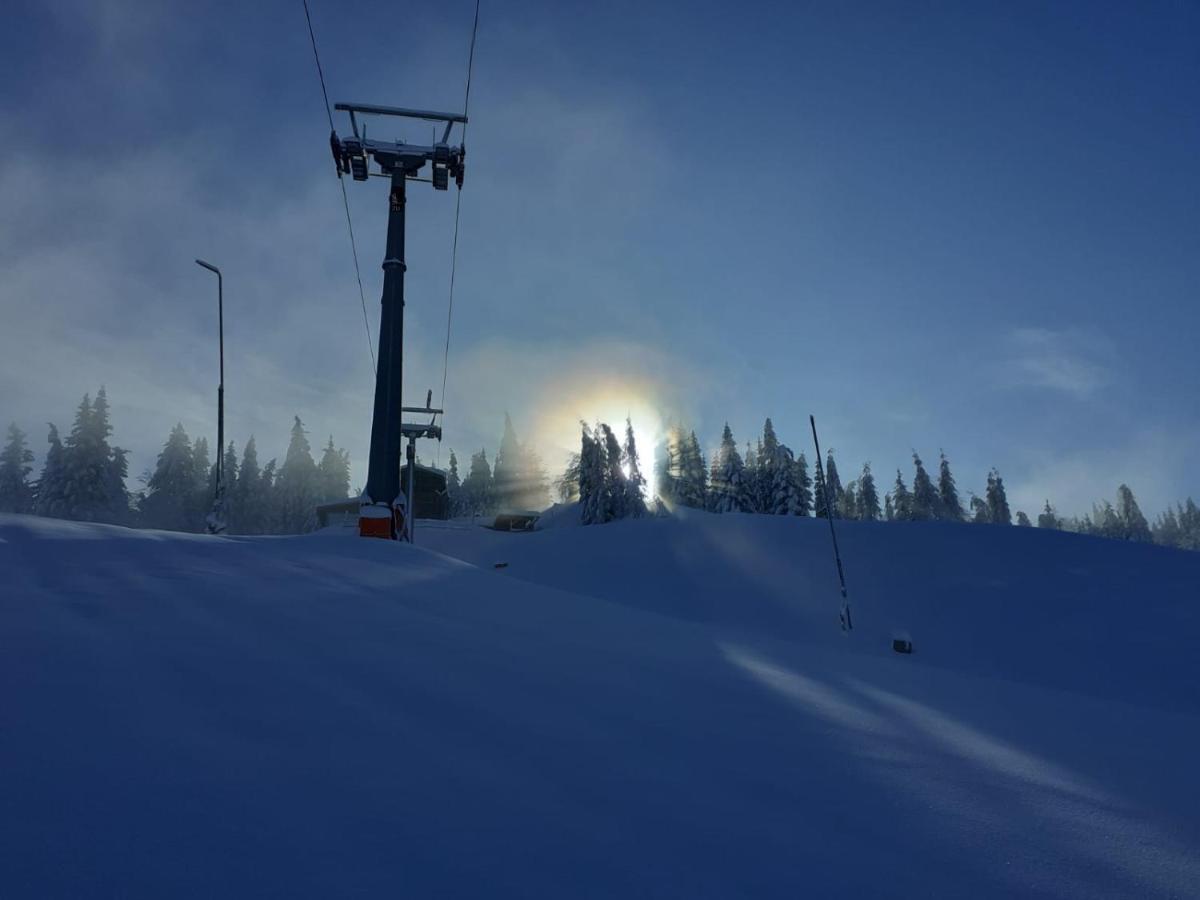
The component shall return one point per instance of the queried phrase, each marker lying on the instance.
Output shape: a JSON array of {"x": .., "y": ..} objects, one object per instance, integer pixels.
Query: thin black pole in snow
[{"x": 844, "y": 614}]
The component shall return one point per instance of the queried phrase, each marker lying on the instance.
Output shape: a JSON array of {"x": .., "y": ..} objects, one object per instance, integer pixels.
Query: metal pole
[
  {"x": 216, "y": 523},
  {"x": 410, "y": 500},
  {"x": 383, "y": 469},
  {"x": 844, "y": 614}
]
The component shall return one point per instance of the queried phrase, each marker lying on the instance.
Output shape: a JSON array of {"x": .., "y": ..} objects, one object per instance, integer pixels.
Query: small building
[{"x": 430, "y": 499}]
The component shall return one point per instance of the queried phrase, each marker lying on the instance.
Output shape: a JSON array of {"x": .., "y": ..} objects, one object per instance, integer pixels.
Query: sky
[{"x": 965, "y": 227}]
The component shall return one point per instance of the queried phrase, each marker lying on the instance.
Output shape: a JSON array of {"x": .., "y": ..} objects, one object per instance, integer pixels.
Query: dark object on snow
[
  {"x": 429, "y": 492},
  {"x": 516, "y": 521},
  {"x": 503, "y": 565},
  {"x": 429, "y": 496},
  {"x": 900, "y": 645}
]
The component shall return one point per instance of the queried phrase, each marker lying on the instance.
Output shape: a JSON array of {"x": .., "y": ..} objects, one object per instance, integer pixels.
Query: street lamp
[{"x": 216, "y": 518}]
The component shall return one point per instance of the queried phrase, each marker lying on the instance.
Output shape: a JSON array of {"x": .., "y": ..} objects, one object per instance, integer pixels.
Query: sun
[{"x": 611, "y": 402}]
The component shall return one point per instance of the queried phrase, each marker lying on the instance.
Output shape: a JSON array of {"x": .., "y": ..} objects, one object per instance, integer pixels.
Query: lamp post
[{"x": 216, "y": 518}]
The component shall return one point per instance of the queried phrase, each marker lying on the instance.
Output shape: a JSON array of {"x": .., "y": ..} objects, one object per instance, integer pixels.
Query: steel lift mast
[{"x": 387, "y": 506}]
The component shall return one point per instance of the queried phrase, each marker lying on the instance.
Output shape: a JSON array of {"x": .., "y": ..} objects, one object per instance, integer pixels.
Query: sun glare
[{"x": 611, "y": 403}]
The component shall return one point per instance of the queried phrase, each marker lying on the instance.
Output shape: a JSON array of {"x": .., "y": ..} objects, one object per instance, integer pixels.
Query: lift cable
[
  {"x": 345, "y": 199},
  {"x": 454, "y": 247}
]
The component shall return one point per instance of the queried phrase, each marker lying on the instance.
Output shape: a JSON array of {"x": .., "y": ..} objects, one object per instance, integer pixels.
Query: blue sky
[{"x": 961, "y": 227}]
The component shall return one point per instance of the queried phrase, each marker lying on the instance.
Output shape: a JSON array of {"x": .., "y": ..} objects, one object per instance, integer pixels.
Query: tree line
[
  {"x": 83, "y": 478},
  {"x": 768, "y": 478},
  {"x": 517, "y": 481}
]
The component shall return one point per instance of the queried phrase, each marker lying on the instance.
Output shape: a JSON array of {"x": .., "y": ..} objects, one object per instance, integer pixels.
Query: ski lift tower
[{"x": 385, "y": 502}]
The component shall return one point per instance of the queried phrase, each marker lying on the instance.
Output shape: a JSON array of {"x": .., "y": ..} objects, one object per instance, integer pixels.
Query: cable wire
[
  {"x": 362, "y": 297},
  {"x": 457, "y": 209}
]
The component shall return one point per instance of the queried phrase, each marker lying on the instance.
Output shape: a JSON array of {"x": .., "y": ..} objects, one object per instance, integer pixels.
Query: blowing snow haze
[{"x": 600, "y": 271}]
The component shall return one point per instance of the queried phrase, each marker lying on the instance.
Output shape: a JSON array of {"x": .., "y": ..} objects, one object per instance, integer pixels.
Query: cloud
[{"x": 1071, "y": 361}]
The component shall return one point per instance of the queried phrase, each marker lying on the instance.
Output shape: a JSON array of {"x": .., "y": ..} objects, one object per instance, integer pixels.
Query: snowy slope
[{"x": 658, "y": 708}]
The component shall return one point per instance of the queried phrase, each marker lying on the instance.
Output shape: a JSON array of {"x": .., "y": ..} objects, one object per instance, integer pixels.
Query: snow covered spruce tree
[
  {"x": 16, "y": 490},
  {"x": 728, "y": 487},
  {"x": 868, "y": 495},
  {"x": 1023, "y": 520},
  {"x": 93, "y": 473},
  {"x": 566, "y": 485},
  {"x": 833, "y": 484},
  {"x": 614, "y": 492},
  {"x": 297, "y": 485},
  {"x": 635, "y": 483},
  {"x": 693, "y": 486},
  {"x": 506, "y": 472},
  {"x": 785, "y": 492},
  {"x": 50, "y": 491},
  {"x": 997, "y": 500},
  {"x": 668, "y": 463},
  {"x": 804, "y": 486},
  {"x": 333, "y": 474},
  {"x": 950, "y": 507},
  {"x": 519, "y": 480},
  {"x": 1048, "y": 518},
  {"x": 592, "y": 504},
  {"x": 170, "y": 500},
  {"x": 820, "y": 510},
  {"x": 1134, "y": 526},
  {"x": 925, "y": 502},
  {"x": 249, "y": 501},
  {"x": 477, "y": 488},
  {"x": 902, "y": 503},
  {"x": 849, "y": 503}
]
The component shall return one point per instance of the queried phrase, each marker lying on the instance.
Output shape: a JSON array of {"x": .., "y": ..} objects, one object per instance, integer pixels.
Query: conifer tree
[
  {"x": 997, "y": 500},
  {"x": 93, "y": 474},
  {"x": 804, "y": 487},
  {"x": 669, "y": 464},
  {"x": 889, "y": 514},
  {"x": 506, "y": 472},
  {"x": 271, "y": 514},
  {"x": 750, "y": 479},
  {"x": 1023, "y": 520},
  {"x": 849, "y": 504},
  {"x": 614, "y": 492},
  {"x": 691, "y": 489},
  {"x": 785, "y": 493},
  {"x": 297, "y": 484},
  {"x": 833, "y": 484},
  {"x": 16, "y": 490},
  {"x": 727, "y": 482},
  {"x": 477, "y": 488},
  {"x": 768, "y": 461},
  {"x": 981, "y": 513},
  {"x": 820, "y": 495},
  {"x": 591, "y": 478},
  {"x": 169, "y": 503},
  {"x": 334, "y": 474},
  {"x": 247, "y": 515},
  {"x": 949, "y": 506},
  {"x": 1048, "y": 518},
  {"x": 567, "y": 484},
  {"x": 50, "y": 499},
  {"x": 635, "y": 482},
  {"x": 868, "y": 496},
  {"x": 902, "y": 500},
  {"x": 924, "y": 494},
  {"x": 1134, "y": 526}
]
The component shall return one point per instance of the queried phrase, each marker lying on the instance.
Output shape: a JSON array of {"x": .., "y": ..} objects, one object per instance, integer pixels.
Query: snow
[{"x": 660, "y": 707}]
